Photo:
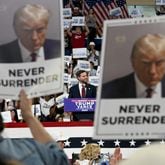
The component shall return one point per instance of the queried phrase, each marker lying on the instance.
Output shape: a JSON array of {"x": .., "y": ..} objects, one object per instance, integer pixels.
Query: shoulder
[
  {"x": 52, "y": 48},
  {"x": 51, "y": 42},
  {"x": 120, "y": 80},
  {"x": 92, "y": 86},
  {"x": 74, "y": 86},
  {"x": 117, "y": 87},
  {"x": 10, "y": 44},
  {"x": 26, "y": 149}
]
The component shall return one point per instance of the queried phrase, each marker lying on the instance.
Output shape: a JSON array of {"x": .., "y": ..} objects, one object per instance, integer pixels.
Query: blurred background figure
[{"x": 148, "y": 155}]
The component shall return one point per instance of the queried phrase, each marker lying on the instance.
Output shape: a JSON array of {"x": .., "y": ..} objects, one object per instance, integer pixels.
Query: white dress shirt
[
  {"x": 80, "y": 88},
  {"x": 141, "y": 89},
  {"x": 26, "y": 54}
]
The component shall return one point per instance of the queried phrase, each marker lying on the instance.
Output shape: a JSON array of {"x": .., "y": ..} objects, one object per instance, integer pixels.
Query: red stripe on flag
[
  {"x": 86, "y": 9},
  {"x": 124, "y": 12},
  {"x": 98, "y": 15},
  {"x": 104, "y": 10},
  {"x": 101, "y": 13}
]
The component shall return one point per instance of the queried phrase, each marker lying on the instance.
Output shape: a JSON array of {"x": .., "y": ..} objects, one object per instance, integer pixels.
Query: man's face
[
  {"x": 32, "y": 34},
  {"x": 83, "y": 78},
  {"x": 78, "y": 30},
  {"x": 149, "y": 67},
  {"x": 61, "y": 144}
]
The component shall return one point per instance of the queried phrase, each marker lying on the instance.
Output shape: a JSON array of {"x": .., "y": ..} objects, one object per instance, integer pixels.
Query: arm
[
  {"x": 116, "y": 157},
  {"x": 69, "y": 30},
  {"x": 86, "y": 30},
  {"x": 36, "y": 128}
]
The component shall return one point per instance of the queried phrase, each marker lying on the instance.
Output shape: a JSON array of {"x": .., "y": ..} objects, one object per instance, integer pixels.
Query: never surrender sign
[{"x": 130, "y": 98}]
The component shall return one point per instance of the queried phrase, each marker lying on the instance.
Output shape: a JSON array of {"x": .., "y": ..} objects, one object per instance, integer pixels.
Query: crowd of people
[
  {"x": 75, "y": 37},
  {"x": 43, "y": 149}
]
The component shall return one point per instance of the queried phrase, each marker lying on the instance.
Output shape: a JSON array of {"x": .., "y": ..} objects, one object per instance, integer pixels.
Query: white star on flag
[
  {"x": 67, "y": 143},
  {"x": 147, "y": 142},
  {"x": 162, "y": 142},
  {"x": 101, "y": 143},
  {"x": 84, "y": 142},
  {"x": 132, "y": 142},
  {"x": 117, "y": 142}
]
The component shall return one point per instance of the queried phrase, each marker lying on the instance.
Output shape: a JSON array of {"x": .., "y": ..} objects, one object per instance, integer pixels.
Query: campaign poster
[
  {"x": 31, "y": 48},
  {"x": 133, "y": 63}
]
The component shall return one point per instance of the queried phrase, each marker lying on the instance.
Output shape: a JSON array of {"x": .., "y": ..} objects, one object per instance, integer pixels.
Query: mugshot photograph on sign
[
  {"x": 132, "y": 77},
  {"x": 31, "y": 54}
]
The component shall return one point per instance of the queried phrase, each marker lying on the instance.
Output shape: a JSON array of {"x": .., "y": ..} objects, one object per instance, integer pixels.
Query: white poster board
[
  {"x": 135, "y": 12},
  {"x": 116, "y": 12},
  {"x": 94, "y": 80},
  {"x": 67, "y": 59},
  {"x": 60, "y": 100},
  {"x": 79, "y": 52},
  {"x": 72, "y": 82},
  {"x": 39, "y": 78},
  {"x": 78, "y": 21},
  {"x": 160, "y": 2},
  {"x": 83, "y": 65},
  {"x": 67, "y": 12},
  {"x": 67, "y": 23},
  {"x": 6, "y": 116},
  {"x": 127, "y": 117},
  {"x": 66, "y": 78}
]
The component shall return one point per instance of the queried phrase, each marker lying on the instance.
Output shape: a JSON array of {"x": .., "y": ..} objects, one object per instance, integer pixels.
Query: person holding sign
[
  {"x": 77, "y": 35},
  {"x": 82, "y": 90},
  {"x": 42, "y": 150},
  {"x": 148, "y": 79},
  {"x": 30, "y": 25}
]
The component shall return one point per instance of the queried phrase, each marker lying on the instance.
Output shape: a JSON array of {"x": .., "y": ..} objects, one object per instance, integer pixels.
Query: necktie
[
  {"x": 149, "y": 92},
  {"x": 33, "y": 56},
  {"x": 83, "y": 91}
]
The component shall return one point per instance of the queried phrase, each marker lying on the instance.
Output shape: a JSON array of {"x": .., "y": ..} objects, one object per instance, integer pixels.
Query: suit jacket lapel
[
  {"x": 131, "y": 87},
  {"x": 15, "y": 53},
  {"x": 78, "y": 94},
  {"x": 163, "y": 87}
]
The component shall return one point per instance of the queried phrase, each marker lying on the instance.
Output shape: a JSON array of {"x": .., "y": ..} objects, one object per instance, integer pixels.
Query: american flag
[
  {"x": 102, "y": 9},
  {"x": 75, "y": 144},
  {"x": 79, "y": 134},
  {"x": 123, "y": 7}
]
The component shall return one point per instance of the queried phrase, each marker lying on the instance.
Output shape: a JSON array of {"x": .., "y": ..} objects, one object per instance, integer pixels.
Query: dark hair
[
  {"x": 1, "y": 124},
  {"x": 91, "y": 62},
  {"x": 78, "y": 73},
  {"x": 15, "y": 115}
]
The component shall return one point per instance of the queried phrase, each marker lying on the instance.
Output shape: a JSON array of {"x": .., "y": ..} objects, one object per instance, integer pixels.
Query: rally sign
[
  {"x": 123, "y": 110},
  {"x": 79, "y": 105},
  {"x": 79, "y": 52},
  {"x": 67, "y": 12},
  {"x": 78, "y": 21}
]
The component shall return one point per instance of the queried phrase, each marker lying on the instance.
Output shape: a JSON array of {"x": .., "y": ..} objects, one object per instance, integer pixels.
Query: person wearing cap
[
  {"x": 61, "y": 139},
  {"x": 93, "y": 55}
]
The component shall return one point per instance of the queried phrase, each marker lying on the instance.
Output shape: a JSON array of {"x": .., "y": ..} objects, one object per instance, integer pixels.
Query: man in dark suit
[
  {"x": 77, "y": 92},
  {"x": 30, "y": 24},
  {"x": 148, "y": 79}
]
